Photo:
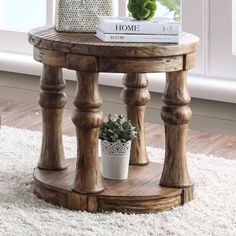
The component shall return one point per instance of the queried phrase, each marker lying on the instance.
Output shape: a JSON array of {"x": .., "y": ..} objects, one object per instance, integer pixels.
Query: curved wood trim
[
  {"x": 88, "y": 44},
  {"x": 122, "y": 196},
  {"x": 50, "y": 57},
  {"x": 117, "y": 65},
  {"x": 63, "y": 60}
]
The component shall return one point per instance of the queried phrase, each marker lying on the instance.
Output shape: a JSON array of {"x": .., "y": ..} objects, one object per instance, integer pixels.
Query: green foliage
[
  {"x": 172, "y": 5},
  {"x": 142, "y": 9},
  {"x": 117, "y": 128}
]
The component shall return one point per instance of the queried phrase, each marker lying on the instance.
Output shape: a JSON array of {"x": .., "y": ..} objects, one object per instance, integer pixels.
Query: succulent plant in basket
[{"x": 116, "y": 135}]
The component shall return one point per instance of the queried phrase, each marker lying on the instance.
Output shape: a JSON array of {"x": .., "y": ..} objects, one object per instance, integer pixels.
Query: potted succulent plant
[
  {"x": 116, "y": 135},
  {"x": 142, "y": 9}
]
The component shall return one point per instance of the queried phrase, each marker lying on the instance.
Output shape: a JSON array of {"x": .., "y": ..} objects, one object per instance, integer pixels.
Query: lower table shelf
[{"x": 140, "y": 193}]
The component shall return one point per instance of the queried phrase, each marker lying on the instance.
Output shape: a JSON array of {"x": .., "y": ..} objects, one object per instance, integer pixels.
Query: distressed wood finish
[
  {"x": 88, "y": 44},
  {"x": 52, "y": 99},
  {"x": 50, "y": 57},
  {"x": 82, "y": 63},
  {"x": 70, "y": 61},
  {"x": 88, "y": 55},
  {"x": 141, "y": 65},
  {"x": 189, "y": 61},
  {"x": 176, "y": 115},
  {"x": 87, "y": 119},
  {"x": 136, "y": 96},
  {"x": 140, "y": 194}
]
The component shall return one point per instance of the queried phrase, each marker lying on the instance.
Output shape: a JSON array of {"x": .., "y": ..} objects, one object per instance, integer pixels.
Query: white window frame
[
  {"x": 222, "y": 62},
  {"x": 203, "y": 82},
  {"x": 234, "y": 27},
  {"x": 214, "y": 21},
  {"x": 122, "y": 7},
  {"x": 13, "y": 41},
  {"x": 196, "y": 22},
  {"x": 1, "y": 15}
]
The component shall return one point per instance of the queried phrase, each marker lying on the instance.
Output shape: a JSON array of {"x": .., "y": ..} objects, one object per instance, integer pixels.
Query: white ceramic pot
[{"x": 115, "y": 159}]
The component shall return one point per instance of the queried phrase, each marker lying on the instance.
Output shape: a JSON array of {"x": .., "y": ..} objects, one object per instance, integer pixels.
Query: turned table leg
[
  {"x": 136, "y": 96},
  {"x": 87, "y": 119},
  {"x": 176, "y": 115},
  {"x": 52, "y": 99}
]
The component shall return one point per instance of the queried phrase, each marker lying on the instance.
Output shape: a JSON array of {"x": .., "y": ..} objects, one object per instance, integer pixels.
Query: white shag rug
[{"x": 213, "y": 212}]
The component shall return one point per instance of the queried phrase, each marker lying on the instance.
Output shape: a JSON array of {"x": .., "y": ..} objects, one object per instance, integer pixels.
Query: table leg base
[{"x": 140, "y": 193}]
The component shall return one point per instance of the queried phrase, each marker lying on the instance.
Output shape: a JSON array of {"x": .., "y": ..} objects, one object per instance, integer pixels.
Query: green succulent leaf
[
  {"x": 131, "y": 7},
  {"x": 142, "y": 9},
  {"x": 117, "y": 128},
  {"x": 152, "y": 7}
]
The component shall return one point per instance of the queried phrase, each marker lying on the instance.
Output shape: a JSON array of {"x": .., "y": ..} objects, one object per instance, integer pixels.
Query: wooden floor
[{"x": 28, "y": 115}]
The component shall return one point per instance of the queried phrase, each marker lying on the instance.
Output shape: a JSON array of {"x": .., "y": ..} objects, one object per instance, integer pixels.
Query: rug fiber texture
[{"x": 212, "y": 212}]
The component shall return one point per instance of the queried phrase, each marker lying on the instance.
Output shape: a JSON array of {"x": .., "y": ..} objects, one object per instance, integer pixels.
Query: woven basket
[{"x": 81, "y": 15}]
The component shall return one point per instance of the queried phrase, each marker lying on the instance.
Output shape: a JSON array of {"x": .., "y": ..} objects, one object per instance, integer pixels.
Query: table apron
[
  {"x": 114, "y": 64},
  {"x": 141, "y": 65}
]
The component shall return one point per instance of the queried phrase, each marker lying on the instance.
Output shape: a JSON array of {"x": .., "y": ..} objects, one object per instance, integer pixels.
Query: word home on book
[{"x": 127, "y": 28}]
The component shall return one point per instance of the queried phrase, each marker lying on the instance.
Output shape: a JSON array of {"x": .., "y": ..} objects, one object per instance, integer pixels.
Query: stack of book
[{"x": 127, "y": 29}]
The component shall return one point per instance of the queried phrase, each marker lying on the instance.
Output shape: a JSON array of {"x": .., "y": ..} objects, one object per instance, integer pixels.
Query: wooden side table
[{"x": 77, "y": 183}]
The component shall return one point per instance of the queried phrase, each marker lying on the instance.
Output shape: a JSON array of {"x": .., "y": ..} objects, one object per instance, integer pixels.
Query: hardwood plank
[
  {"x": 66, "y": 182},
  {"x": 154, "y": 188},
  {"x": 138, "y": 176},
  {"x": 49, "y": 177}
]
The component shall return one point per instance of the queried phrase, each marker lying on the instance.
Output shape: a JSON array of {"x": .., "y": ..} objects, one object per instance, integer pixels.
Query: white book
[
  {"x": 135, "y": 38},
  {"x": 158, "y": 25}
]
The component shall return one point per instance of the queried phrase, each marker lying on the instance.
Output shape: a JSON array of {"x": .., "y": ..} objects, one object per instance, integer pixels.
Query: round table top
[{"x": 89, "y": 44}]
